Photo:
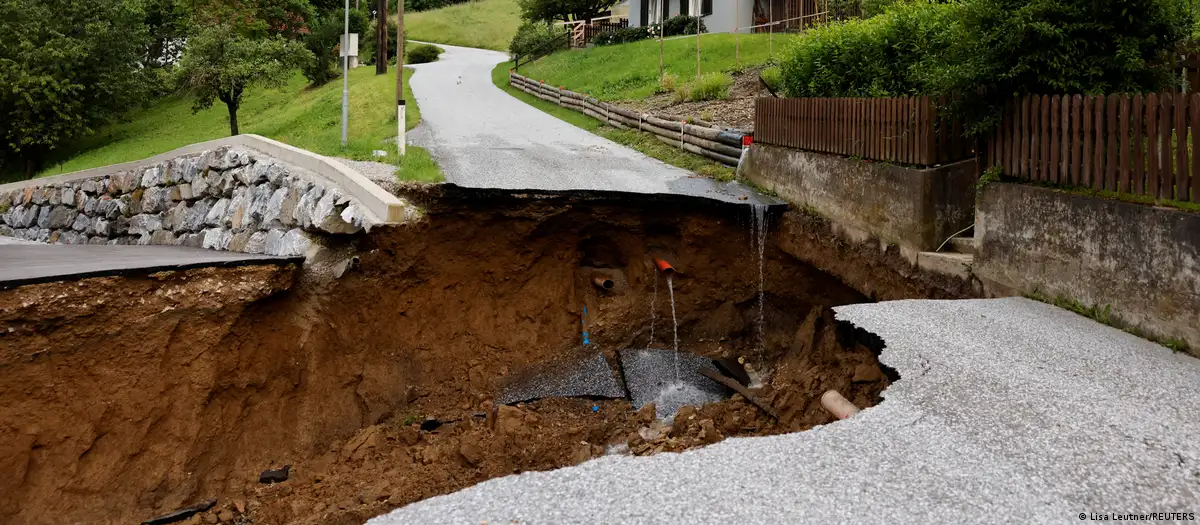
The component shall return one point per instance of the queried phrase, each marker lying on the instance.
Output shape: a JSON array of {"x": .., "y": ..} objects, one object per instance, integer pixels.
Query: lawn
[
  {"x": 488, "y": 24},
  {"x": 630, "y": 71},
  {"x": 638, "y": 140},
  {"x": 309, "y": 118}
]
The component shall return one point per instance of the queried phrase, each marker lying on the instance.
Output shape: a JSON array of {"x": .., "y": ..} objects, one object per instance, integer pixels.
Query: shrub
[
  {"x": 710, "y": 86},
  {"x": 682, "y": 25},
  {"x": 422, "y": 53},
  {"x": 322, "y": 40},
  {"x": 533, "y": 37},
  {"x": 622, "y": 36},
  {"x": 668, "y": 83},
  {"x": 773, "y": 78},
  {"x": 366, "y": 42}
]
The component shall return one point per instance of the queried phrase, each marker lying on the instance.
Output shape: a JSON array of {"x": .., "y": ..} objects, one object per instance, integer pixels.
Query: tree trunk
[
  {"x": 381, "y": 38},
  {"x": 233, "y": 128},
  {"x": 232, "y": 100}
]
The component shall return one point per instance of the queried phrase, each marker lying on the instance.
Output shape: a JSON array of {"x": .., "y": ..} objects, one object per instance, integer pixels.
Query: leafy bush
[
  {"x": 423, "y": 53},
  {"x": 534, "y": 37},
  {"x": 622, "y": 36},
  {"x": 366, "y": 41},
  {"x": 682, "y": 25},
  {"x": 1005, "y": 46},
  {"x": 324, "y": 35},
  {"x": 710, "y": 86}
]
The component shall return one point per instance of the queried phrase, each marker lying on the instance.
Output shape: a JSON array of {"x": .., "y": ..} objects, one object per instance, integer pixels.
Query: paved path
[
  {"x": 1007, "y": 411},
  {"x": 483, "y": 137},
  {"x": 28, "y": 263}
]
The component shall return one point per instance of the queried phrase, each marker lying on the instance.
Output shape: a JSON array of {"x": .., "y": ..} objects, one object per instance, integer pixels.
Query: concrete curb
[{"x": 386, "y": 208}]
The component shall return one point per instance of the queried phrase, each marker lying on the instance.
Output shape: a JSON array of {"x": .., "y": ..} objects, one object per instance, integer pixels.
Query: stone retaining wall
[{"x": 226, "y": 198}]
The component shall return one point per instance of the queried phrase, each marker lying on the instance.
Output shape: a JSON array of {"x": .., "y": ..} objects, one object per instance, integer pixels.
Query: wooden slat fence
[
  {"x": 906, "y": 130},
  {"x": 1139, "y": 144}
]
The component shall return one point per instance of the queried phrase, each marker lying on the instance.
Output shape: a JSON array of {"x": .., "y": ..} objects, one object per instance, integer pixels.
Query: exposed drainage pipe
[
  {"x": 837, "y": 405},
  {"x": 602, "y": 282},
  {"x": 664, "y": 267}
]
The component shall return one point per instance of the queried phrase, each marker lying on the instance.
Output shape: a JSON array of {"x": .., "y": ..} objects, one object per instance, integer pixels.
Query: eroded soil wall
[{"x": 125, "y": 398}]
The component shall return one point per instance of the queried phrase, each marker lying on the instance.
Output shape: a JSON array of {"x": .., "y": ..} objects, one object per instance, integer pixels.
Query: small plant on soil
[
  {"x": 669, "y": 83},
  {"x": 712, "y": 86}
]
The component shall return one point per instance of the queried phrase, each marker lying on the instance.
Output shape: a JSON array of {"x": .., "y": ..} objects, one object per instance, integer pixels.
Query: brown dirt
[
  {"x": 126, "y": 398},
  {"x": 736, "y": 112}
]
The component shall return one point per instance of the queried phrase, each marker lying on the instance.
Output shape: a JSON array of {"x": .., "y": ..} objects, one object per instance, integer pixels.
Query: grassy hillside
[
  {"x": 296, "y": 114},
  {"x": 488, "y": 24},
  {"x": 630, "y": 71}
]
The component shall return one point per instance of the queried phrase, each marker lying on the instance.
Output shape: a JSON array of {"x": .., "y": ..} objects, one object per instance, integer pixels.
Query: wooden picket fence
[
  {"x": 1144, "y": 145},
  {"x": 905, "y": 130}
]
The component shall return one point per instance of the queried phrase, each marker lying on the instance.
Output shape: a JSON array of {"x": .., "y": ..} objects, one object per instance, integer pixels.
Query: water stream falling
[
  {"x": 675, "y": 322},
  {"x": 759, "y": 226},
  {"x": 653, "y": 305}
]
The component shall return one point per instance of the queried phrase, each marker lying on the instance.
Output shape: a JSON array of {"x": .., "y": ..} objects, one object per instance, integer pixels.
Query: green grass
[
  {"x": 630, "y": 71},
  {"x": 1104, "y": 315},
  {"x": 308, "y": 118},
  {"x": 641, "y": 141},
  {"x": 489, "y": 24}
]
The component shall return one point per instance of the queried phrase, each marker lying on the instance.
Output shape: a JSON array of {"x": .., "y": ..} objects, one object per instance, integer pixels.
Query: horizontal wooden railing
[
  {"x": 905, "y": 130},
  {"x": 1139, "y": 144}
]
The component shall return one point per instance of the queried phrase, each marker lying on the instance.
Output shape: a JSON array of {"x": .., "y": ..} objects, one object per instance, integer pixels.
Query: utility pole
[
  {"x": 737, "y": 32},
  {"x": 345, "y": 49},
  {"x": 381, "y": 37},
  {"x": 400, "y": 139},
  {"x": 699, "y": 4},
  {"x": 662, "y": 18}
]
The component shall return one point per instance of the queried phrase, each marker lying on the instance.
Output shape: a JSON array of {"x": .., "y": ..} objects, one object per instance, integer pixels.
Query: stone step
[
  {"x": 954, "y": 264},
  {"x": 962, "y": 245}
]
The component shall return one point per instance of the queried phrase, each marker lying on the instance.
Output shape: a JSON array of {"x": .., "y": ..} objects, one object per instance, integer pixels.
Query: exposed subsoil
[
  {"x": 737, "y": 111},
  {"x": 126, "y": 398}
]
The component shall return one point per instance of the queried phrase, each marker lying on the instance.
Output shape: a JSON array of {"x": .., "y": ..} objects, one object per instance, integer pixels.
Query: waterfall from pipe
[
  {"x": 675, "y": 322},
  {"x": 653, "y": 305},
  {"x": 758, "y": 224}
]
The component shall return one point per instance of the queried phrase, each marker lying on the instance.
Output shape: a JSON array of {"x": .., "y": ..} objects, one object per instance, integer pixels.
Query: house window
[{"x": 706, "y": 7}]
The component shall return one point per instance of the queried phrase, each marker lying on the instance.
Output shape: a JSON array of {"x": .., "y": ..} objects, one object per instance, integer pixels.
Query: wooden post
[
  {"x": 400, "y": 109},
  {"x": 771, "y": 28},
  {"x": 381, "y": 43},
  {"x": 737, "y": 31},
  {"x": 697, "y": 5}
]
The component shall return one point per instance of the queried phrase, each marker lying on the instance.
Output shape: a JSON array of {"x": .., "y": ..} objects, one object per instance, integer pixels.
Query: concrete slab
[
  {"x": 668, "y": 379},
  {"x": 589, "y": 376},
  {"x": 1007, "y": 410},
  {"x": 22, "y": 264}
]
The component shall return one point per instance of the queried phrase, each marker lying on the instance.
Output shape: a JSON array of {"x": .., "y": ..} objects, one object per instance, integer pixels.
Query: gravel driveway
[
  {"x": 1007, "y": 411},
  {"x": 483, "y": 137}
]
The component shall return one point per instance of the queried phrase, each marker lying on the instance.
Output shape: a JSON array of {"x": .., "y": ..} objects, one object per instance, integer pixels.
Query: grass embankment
[
  {"x": 638, "y": 140},
  {"x": 489, "y": 24},
  {"x": 630, "y": 71},
  {"x": 305, "y": 117}
]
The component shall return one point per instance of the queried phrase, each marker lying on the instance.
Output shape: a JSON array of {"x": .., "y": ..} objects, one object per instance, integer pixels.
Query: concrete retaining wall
[
  {"x": 221, "y": 195},
  {"x": 1142, "y": 261},
  {"x": 916, "y": 208}
]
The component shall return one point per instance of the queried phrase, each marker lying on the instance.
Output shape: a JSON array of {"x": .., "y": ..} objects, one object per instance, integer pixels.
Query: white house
[{"x": 726, "y": 16}]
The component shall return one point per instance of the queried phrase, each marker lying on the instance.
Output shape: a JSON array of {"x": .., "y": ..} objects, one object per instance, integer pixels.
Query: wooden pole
[
  {"x": 661, "y": 19},
  {"x": 771, "y": 30},
  {"x": 697, "y": 4},
  {"x": 381, "y": 43},
  {"x": 737, "y": 32},
  {"x": 400, "y": 110}
]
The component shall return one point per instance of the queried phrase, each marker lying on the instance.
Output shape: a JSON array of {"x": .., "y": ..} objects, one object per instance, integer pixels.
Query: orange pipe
[
  {"x": 664, "y": 266},
  {"x": 603, "y": 283}
]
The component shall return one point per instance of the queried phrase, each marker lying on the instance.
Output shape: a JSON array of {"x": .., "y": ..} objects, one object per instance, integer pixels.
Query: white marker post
[
  {"x": 401, "y": 140},
  {"x": 346, "y": 78}
]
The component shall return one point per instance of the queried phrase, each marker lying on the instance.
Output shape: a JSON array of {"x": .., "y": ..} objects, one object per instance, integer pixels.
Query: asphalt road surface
[
  {"x": 27, "y": 263},
  {"x": 483, "y": 137},
  {"x": 1007, "y": 411}
]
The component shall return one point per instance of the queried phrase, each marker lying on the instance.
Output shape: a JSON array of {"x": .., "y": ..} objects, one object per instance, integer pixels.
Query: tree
[
  {"x": 220, "y": 64},
  {"x": 66, "y": 68},
  {"x": 168, "y": 23},
  {"x": 565, "y": 10},
  {"x": 257, "y": 18}
]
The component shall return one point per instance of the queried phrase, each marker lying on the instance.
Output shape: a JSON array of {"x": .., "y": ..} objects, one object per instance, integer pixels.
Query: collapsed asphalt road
[{"x": 1007, "y": 409}]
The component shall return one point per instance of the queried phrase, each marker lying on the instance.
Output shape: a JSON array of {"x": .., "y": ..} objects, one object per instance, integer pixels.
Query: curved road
[{"x": 483, "y": 137}]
